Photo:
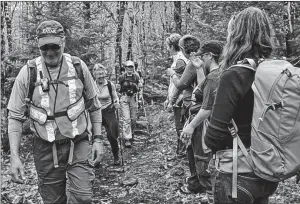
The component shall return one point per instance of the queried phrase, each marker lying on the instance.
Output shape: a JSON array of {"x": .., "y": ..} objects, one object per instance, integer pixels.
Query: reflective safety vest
[{"x": 61, "y": 108}]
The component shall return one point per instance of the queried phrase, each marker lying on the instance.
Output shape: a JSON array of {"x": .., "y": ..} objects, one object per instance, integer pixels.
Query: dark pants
[
  {"x": 111, "y": 124},
  {"x": 52, "y": 182},
  {"x": 200, "y": 179},
  {"x": 251, "y": 189},
  {"x": 180, "y": 116}
]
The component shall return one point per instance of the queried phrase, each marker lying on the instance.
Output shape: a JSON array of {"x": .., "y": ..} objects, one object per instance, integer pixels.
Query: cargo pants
[
  {"x": 200, "y": 179},
  {"x": 74, "y": 180},
  {"x": 128, "y": 115}
]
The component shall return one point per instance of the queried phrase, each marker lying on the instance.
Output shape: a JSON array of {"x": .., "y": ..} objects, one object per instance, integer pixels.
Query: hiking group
[{"x": 236, "y": 112}]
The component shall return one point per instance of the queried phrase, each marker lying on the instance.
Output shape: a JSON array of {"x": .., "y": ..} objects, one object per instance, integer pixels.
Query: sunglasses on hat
[{"x": 47, "y": 47}]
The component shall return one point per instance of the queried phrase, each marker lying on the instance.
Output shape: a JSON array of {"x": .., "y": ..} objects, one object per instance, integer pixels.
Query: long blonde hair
[{"x": 249, "y": 35}]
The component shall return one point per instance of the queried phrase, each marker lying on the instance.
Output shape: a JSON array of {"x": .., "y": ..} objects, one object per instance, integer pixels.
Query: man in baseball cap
[
  {"x": 58, "y": 112},
  {"x": 129, "y": 83},
  {"x": 50, "y": 32},
  {"x": 50, "y": 37}
]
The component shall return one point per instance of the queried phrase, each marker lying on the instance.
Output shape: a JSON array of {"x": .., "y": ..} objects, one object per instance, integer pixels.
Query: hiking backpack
[
  {"x": 110, "y": 91},
  {"x": 275, "y": 133},
  {"x": 274, "y": 153}
]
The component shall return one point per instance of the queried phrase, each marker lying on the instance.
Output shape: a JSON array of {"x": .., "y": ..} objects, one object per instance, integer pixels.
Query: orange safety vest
[{"x": 61, "y": 111}]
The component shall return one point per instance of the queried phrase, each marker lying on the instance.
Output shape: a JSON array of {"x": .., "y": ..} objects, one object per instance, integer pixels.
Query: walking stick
[
  {"x": 145, "y": 113},
  {"x": 120, "y": 139}
]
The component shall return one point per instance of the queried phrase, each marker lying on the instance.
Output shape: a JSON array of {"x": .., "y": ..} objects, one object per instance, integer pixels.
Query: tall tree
[
  {"x": 6, "y": 41},
  {"x": 131, "y": 34},
  {"x": 290, "y": 34},
  {"x": 120, "y": 12},
  {"x": 177, "y": 16}
]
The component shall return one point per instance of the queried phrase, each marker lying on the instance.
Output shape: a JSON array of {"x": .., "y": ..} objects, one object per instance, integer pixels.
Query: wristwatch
[{"x": 97, "y": 138}]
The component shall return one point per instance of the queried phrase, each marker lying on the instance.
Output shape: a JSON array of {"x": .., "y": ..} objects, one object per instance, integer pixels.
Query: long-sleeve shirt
[
  {"x": 187, "y": 81},
  {"x": 17, "y": 107},
  {"x": 234, "y": 100},
  {"x": 178, "y": 65},
  {"x": 173, "y": 92},
  {"x": 104, "y": 95}
]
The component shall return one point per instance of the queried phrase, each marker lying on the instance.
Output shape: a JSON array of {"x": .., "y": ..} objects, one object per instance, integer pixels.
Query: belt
[
  {"x": 56, "y": 115},
  {"x": 64, "y": 141}
]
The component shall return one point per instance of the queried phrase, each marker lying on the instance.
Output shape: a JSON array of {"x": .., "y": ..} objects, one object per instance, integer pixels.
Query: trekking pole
[
  {"x": 120, "y": 139},
  {"x": 145, "y": 113}
]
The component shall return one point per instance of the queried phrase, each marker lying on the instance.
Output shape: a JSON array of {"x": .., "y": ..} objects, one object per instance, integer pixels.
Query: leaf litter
[{"x": 152, "y": 173}]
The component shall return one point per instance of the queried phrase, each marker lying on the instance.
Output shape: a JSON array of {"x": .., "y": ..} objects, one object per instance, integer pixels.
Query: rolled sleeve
[{"x": 16, "y": 104}]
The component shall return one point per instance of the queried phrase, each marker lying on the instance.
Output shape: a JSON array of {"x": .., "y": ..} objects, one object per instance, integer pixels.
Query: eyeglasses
[
  {"x": 208, "y": 53},
  {"x": 130, "y": 66},
  {"x": 47, "y": 47}
]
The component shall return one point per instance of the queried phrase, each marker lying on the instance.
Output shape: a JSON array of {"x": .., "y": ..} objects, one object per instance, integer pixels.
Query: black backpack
[{"x": 110, "y": 91}]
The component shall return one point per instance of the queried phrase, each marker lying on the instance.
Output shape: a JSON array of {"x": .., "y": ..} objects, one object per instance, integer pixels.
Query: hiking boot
[
  {"x": 117, "y": 160},
  {"x": 206, "y": 198},
  {"x": 184, "y": 189},
  {"x": 127, "y": 144}
]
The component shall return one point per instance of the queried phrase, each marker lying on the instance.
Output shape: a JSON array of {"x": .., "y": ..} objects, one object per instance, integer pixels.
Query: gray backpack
[{"x": 275, "y": 135}]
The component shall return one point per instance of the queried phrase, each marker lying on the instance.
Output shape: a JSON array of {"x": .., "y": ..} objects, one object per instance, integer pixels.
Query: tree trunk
[
  {"x": 177, "y": 16},
  {"x": 5, "y": 29},
  {"x": 120, "y": 11},
  {"x": 129, "y": 50},
  {"x": 87, "y": 20},
  {"x": 291, "y": 43}
]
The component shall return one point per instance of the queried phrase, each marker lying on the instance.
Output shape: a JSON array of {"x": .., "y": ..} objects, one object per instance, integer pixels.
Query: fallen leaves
[{"x": 152, "y": 173}]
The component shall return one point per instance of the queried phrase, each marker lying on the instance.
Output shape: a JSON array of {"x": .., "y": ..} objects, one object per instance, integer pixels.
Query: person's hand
[
  {"x": 170, "y": 71},
  {"x": 118, "y": 87},
  {"x": 97, "y": 153},
  {"x": 117, "y": 106},
  {"x": 17, "y": 170},
  {"x": 169, "y": 108},
  {"x": 166, "y": 104},
  {"x": 185, "y": 139},
  {"x": 197, "y": 62},
  {"x": 188, "y": 130}
]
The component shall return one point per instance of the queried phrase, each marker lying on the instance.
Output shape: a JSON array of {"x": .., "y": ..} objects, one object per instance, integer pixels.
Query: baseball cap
[
  {"x": 49, "y": 32},
  {"x": 129, "y": 63},
  {"x": 212, "y": 46}
]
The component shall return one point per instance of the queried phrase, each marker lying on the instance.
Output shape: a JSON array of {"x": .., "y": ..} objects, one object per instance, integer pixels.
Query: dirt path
[{"x": 157, "y": 178}]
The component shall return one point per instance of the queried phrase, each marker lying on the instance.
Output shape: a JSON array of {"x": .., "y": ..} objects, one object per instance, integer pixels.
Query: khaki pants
[
  {"x": 53, "y": 182},
  {"x": 128, "y": 115}
]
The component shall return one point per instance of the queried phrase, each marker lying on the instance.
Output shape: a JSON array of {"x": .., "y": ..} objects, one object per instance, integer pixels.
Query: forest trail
[{"x": 151, "y": 175}]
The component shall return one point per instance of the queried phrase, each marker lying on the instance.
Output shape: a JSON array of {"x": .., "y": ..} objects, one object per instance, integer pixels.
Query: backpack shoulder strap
[
  {"x": 77, "y": 65},
  {"x": 110, "y": 90},
  {"x": 244, "y": 63},
  {"x": 31, "y": 67}
]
